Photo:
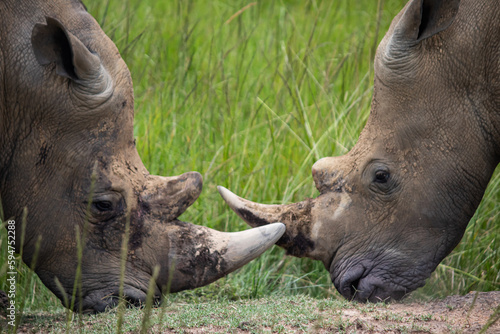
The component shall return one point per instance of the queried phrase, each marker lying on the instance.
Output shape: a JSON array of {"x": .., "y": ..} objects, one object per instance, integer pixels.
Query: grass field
[{"x": 251, "y": 94}]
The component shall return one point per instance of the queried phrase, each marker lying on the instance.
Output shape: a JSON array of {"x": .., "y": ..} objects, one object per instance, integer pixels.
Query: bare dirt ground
[{"x": 454, "y": 314}]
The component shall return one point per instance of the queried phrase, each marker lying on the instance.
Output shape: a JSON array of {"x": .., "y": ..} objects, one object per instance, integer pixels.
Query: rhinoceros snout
[
  {"x": 100, "y": 300},
  {"x": 360, "y": 285},
  {"x": 347, "y": 285}
]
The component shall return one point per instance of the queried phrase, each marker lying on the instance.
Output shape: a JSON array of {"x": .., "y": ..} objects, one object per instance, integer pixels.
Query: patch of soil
[{"x": 454, "y": 314}]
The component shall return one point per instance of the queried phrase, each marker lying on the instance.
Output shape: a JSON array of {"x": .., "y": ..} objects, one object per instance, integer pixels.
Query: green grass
[
  {"x": 285, "y": 314},
  {"x": 281, "y": 315},
  {"x": 251, "y": 102}
]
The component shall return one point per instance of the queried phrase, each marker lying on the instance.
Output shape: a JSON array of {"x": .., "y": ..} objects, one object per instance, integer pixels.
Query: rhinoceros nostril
[
  {"x": 374, "y": 289},
  {"x": 135, "y": 297},
  {"x": 349, "y": 284},
  {"x": 355, "y": 287},
  {"x": 133, "y": 301}
]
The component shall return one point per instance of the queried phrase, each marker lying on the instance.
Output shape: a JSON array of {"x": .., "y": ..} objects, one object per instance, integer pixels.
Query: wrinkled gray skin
[
  {"x": 393, "y": 207},
  {"x": 66, "y": 112}
]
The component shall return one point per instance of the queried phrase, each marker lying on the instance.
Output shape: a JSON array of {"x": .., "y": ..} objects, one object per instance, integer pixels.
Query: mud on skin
[{"x": 295, "y": 240}]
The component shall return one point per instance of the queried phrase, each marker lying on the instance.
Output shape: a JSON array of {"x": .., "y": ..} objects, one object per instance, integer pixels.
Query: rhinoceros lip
[
  {"x": 374, "y": 289},
  {"x": 359, "y": 283},
  {"x": 100, "y": 301},
  {"x": 349, "y": 282}
]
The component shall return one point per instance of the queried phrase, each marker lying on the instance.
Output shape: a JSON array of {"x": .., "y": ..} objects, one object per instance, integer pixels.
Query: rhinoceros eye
[
  {"x": 106, "y": 206},
  {"x": 103, "y": 205},
  {"x": 381, "y": 176}
]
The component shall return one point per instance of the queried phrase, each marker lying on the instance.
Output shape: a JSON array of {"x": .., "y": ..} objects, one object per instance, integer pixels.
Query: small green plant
[{"x": 425, "y": 317}]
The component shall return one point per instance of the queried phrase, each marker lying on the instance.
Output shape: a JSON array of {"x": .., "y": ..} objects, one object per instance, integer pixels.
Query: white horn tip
[
  {"x": 275, "y": 230},
  {"x": 231, "y": 199},
  {"x": 244, "y": 246},
  {"x": 223, "y": 191}
]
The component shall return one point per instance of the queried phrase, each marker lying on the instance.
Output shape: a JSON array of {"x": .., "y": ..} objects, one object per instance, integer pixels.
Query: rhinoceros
[
  {"x": 68, "y": 156},
  {"x": 395, "y": 205}
]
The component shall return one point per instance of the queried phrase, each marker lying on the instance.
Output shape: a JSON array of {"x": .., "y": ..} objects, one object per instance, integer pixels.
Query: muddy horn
[
  {"x": 302, "y": 236},
  {"x": 201, "y": 255}
]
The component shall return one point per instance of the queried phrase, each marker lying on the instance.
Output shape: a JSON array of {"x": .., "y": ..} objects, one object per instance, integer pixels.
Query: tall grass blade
[
  {"x": 149, "y": 300},
  {"x": 123, "y": 266}
]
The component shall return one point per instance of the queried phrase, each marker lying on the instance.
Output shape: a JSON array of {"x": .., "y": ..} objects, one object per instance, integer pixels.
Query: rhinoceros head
[
  {"x": 69, "y": 156},
  {"x": 392, "y": 208}
]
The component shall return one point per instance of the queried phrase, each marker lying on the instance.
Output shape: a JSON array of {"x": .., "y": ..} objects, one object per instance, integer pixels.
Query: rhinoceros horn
[
  {"x": 198, "y": 255},
  {"x": 303, "y": 222},
  {"x": 211, "y": 254}
]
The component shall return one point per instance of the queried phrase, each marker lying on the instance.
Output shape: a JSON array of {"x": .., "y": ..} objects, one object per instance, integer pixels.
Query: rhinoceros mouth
[
  {"x": 100, "y": 301},
  {"x": 362, "y": 283}
]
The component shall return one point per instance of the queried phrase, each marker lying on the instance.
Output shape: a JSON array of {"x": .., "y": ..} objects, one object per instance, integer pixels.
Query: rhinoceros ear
[
  {"x": 53, "y": 43},
  {"x": 425, "y": 18}
]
